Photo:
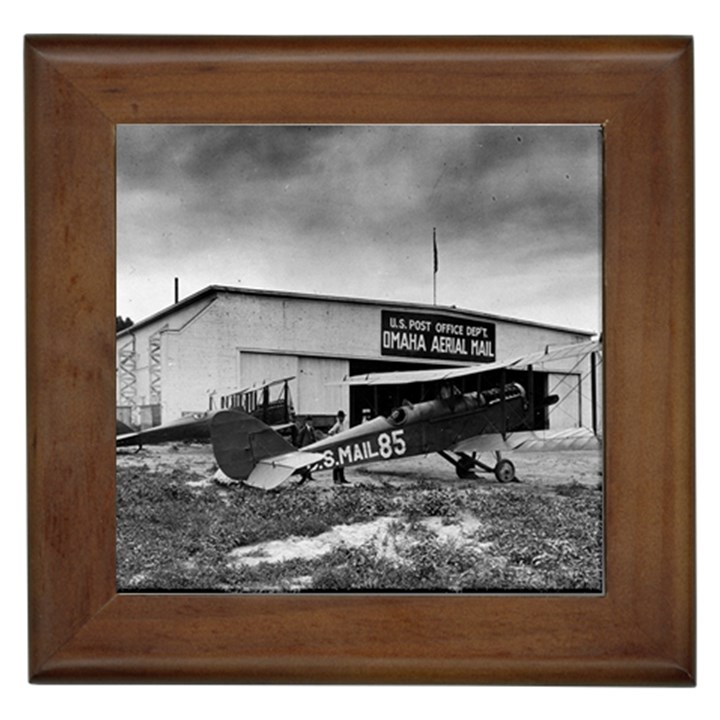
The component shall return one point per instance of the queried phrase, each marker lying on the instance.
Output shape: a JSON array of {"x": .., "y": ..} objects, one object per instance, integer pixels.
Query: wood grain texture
[{"x": 641, "y": 632}]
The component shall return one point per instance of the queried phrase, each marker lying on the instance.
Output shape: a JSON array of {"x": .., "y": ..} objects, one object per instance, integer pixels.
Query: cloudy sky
[{"x": 350, "y": 211}]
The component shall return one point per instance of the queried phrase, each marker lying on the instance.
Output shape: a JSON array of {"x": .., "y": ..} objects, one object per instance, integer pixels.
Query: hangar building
[{"x": 191, "y": 356}]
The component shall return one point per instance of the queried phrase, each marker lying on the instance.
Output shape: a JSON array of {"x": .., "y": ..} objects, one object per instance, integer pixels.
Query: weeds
[{"x": 174, "y": 537}]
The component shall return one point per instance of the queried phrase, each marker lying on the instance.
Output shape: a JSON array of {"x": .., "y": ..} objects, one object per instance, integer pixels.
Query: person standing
[
  {"x": 306, "y": 436},
  {"x": 339, "y": 426}
]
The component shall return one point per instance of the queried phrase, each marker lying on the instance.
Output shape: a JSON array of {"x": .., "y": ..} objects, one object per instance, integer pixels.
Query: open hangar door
[{"x": 382, "y": 399}]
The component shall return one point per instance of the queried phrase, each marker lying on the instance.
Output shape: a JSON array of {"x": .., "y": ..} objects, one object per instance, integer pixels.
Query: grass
[{"x": 173, "y": 537}]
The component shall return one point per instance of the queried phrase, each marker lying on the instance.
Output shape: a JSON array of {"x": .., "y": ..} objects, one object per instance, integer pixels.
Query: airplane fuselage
[{"x": 423, "y": 428}]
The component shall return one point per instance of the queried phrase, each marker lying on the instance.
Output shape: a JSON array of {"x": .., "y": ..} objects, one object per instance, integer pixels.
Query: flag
[{"x": 435, "y": 254}]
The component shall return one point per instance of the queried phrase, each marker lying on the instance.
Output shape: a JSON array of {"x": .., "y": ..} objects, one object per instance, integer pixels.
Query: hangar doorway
[{"x": 382, "y": 399}]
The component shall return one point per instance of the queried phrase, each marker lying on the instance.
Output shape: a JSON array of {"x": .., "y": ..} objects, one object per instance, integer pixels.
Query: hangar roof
[{"x": 212, "y": 290}]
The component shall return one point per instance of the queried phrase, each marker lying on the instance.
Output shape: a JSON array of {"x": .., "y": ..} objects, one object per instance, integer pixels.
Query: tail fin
[{"x": 240, "y": 441}]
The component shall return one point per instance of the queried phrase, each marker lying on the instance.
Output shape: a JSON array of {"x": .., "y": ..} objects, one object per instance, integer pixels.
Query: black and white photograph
[{"x": 359, "y": 359}]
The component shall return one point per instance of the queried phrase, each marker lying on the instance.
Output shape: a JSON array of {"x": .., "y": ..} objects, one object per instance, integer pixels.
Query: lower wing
[{"x": 529, "y": 441}]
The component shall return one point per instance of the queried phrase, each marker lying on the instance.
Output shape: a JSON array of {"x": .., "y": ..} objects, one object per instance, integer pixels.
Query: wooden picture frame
[{"x": 641, "y": 631}]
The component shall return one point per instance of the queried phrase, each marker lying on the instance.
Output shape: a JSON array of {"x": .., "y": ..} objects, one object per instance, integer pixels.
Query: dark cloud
[
  {"x": 255, "y": 153},
  {"x": 499, "y": 174},
  {"x": 228, "y": 200}
]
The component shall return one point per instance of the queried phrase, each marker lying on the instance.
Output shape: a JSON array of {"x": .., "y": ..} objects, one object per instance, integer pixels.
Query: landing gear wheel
[
  {"x": 464, "y": 468},
  {"x": 504, "y": 471}
]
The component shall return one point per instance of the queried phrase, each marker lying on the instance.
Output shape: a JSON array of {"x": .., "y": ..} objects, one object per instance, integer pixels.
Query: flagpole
[{"x": 435, "y": 269}]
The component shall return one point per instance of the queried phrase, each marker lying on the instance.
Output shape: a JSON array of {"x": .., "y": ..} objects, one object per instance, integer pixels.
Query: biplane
[
  {"x": 457, "y": 425},
  {"x": 269, "y": 402}
]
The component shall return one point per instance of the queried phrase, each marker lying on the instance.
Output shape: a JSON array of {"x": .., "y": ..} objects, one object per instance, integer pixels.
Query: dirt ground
[
  {"x": 537, "y": 473},
  {"x": 532, "y": 469}
]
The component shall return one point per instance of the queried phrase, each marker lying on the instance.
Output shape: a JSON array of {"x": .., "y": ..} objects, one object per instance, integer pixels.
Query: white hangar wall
[
  {"x": 222, "y": 340},
  {"x": 148, "y": 380}
]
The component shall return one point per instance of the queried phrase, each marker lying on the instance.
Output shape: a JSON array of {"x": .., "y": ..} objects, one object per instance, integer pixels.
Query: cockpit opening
[{"x": 399, "y": 415}]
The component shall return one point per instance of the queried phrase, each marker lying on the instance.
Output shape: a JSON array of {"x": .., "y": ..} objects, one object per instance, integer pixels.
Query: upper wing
[{"x": 438, "y": 375}]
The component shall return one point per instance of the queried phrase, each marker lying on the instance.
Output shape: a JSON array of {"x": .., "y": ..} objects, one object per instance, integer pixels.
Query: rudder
[{"x": 240, "y": 441}]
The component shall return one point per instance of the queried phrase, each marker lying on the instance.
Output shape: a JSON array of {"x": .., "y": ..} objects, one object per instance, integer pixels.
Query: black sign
[{"x": 440, "y": 337}]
